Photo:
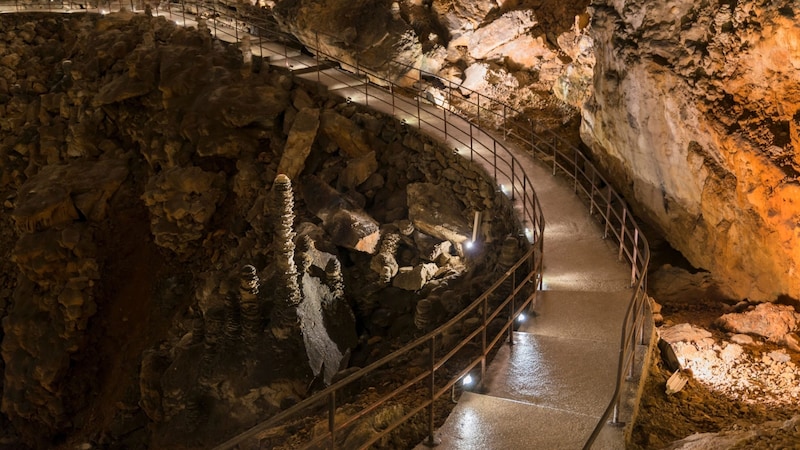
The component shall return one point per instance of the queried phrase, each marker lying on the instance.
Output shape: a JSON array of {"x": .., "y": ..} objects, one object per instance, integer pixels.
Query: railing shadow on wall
[{"x": 443, "y": 356}]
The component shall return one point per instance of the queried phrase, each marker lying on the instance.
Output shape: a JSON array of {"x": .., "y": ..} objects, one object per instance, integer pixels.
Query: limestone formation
[
  {"x": 695, "y": 114},
  {"x": 768, "y": 320},
  {"x": 384, "y": 263},
  {"x": 298, "y": 144},
  {"x": 287, "y": 293},
  {"x": 248, "y": 290},
  {"x": 182, "y": 202},
  {"x": 436, "y": 212}
]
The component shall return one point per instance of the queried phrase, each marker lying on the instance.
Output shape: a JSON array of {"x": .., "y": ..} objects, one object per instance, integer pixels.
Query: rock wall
[{"x": 695, "y": 114}]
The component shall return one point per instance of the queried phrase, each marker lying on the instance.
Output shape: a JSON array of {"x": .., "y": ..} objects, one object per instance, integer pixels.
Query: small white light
[
  {"x": 521, "y": 317},
  {"x": 529, "y": 234},
  {"x": 469, "y": 244},
  {"x": 349, "y": 100},
  {"x": 467, "y": 380},
  {"x": 403, "y": 122},
  {"x": 504, "y": 189}
]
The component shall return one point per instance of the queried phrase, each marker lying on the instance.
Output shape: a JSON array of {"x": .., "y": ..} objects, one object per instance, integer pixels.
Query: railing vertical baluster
[
  {"x": 592, "y": 191},
  {"x": 494, "y": 164},
  {"x": 332, "y": 418},
  {"x": 483, "y": 343},
  {"x": 505, "y": 127},
  {"x": 554, "y": 155},
  {"x": 366, "y": 89},
  {"x": 513, "y": 180},
  {"x": 575, "y": 170},
  {"x": 391, "y": 91},
  {"x": 622, "y": 232},
  {"x": 608, "y": 213},
  {"x": 432, "y": 391},
  {"x": 635, "y": 255},
  {"x": 479, "y": 108},
  {"x": 512, "y": 304},
  {"x": 470, "y": 142},
  {"x": 444, "y": 120},
  {"x": 419, "y": 114}
]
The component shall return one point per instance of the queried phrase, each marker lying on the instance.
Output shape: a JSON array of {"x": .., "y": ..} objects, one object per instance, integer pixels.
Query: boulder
[
  {"x": 414, "y": 278},
  {"x": 767, "y": 319},
  {"x": 298, "y": 144},
  {"x": 348, "y": 225},
  {"x": 499, "y": 32},
  {"x": 435, "y": 211},
  {"x": 60, "y": 194},
  {"x": 348, "y": 136}
]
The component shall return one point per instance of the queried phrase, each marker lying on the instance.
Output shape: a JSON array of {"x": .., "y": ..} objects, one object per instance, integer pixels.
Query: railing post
[
  {"x": 432, "y": 391},
  {"x": 513, "y": 308},
  {"x": 533, "y": 137},
  {"x": 608, "y": 213},
  {"x": 525, "y": 200},
  {"x": 575, "y": 170},
  {"x": 514, "y": 180},
  {"x": 419, "y": 114},
  {"x": 592, "y": 190},
  {"x": 444, "y": 119},
  {"x": 505, "y": 127},
  {"x": 494, "y": 164},
  {"x": 332, "y": 418},
  {"x": 554, "y": 156},
  {"x": 316, "y": 39},
  {"x": 479, "y": 107},
  {"x": 622, "y": 232},
  {"x": 366, "y": 89},
  {"x": 391, "y": 91},
  {"x": 470, "y": 142},
  {"x": 483, "y": 344},
  {"x": 214, "y": 17},
  {"x": 183, "y": 11},
  {"x": 635, "y": 254}
]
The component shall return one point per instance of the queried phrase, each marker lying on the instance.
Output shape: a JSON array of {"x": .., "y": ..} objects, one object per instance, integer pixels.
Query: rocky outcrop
[
  {"x": 182, "y": 201},
  {"x": 694, "y": 113}
]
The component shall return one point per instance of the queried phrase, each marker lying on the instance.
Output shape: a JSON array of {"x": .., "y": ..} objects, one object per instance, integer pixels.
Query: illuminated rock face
[{"x": 695, "y": 113}]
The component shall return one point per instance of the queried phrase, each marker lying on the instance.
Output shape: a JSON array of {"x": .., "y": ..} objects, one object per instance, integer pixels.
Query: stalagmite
[
  {"x": 288, "y": 290},
  {"x": 248, "y": 304}
]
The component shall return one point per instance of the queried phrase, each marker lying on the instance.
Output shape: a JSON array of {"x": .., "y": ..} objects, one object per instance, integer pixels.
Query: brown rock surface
[{"x": 693, "y": 110}]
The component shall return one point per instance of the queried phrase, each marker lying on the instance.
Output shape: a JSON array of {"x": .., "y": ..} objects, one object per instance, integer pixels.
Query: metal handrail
[{"x": 603, "y": 201}]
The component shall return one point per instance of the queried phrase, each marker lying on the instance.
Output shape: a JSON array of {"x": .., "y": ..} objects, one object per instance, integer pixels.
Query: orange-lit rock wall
[{"x": 695, "y": 112}]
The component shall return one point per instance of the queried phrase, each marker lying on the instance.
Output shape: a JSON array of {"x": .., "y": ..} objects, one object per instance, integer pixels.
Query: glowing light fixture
[
  {"x": 504, "y": 189},
  {"x": 467, "y": 380},
  {"x": 469, "y": 244},
  {"x": 521, "y": 317},
  {"x": 529, "y": 234}
]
